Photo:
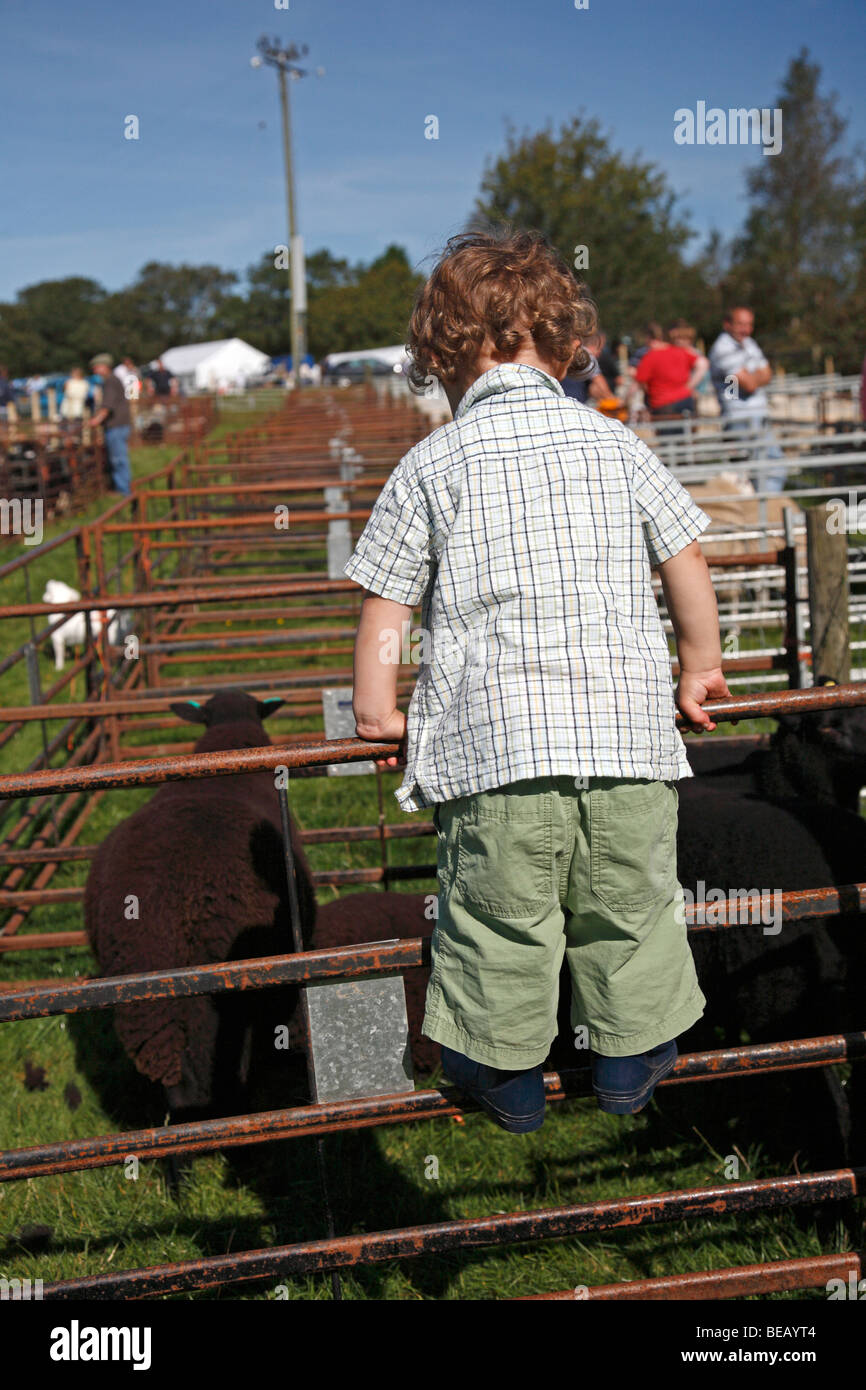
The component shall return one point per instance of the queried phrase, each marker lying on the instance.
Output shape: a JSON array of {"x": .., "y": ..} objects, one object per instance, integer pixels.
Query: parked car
[{"x": 356, "y": 369}]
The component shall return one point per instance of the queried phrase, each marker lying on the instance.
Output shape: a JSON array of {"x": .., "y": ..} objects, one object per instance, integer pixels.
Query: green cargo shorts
[{"x": 550, "y": 865}]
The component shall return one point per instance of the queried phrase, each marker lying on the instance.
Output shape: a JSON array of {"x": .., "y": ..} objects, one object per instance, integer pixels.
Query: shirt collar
[{"x": 505, "y": 377}]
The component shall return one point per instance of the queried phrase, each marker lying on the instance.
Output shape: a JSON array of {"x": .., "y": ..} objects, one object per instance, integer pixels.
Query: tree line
[{"x": 798, "y": 261}]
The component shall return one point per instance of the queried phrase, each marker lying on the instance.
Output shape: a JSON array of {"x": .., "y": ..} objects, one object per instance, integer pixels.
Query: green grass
[{"x": 102, "y": 1220}]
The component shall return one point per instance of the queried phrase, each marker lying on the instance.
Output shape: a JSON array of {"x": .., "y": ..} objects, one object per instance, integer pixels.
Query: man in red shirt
[{"x": 669, "y": 373}]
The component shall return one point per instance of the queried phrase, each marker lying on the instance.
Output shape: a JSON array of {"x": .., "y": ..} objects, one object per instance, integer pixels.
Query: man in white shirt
[
  {"x": 127, "y": 374},
  {"x": 739, "y": 372}
]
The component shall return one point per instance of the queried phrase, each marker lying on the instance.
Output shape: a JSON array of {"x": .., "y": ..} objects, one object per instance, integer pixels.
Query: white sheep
[{"x": 73, "y": 632}]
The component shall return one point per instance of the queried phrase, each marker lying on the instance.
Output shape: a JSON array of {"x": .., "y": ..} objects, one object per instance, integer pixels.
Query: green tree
[
  {"x": 52, "y": 325},
  {"x": 580, "y": 192},
  {"x": 799, "y": 261},
  {"x": 367, "y": 306},
  {"x": 263, "y": 315},
  {"x": 58, "y": 324},
  {"x": 327, "y": 272},
  {"x": 22, "y": 348},
  {"x": 167, "y": 305}
]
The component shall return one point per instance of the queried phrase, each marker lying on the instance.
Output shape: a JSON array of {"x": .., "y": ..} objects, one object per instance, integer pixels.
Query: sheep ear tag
[
  {"x": 190, "y": 710},
  {"x": 270, "y": 705}
]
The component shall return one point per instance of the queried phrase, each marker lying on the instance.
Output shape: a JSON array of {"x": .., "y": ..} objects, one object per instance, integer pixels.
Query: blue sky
[{"x": 204, "y": 181}]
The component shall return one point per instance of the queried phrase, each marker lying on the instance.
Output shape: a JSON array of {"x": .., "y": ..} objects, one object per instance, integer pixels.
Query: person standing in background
[
  {"x": 598, "y": 381},
  {"x": 113, "y": 415},
  {"x": 7, "y": 392},
  {"x": 127, "y": 374},
  {"x": 739, "y": 372},
  {"x": 669, "y": 373},
  {"x": 76, "y": 389},
  {"x": 681, "y": 334},
  {"x": 608, "y": 364},
  {"x": 163, "y": 383}
]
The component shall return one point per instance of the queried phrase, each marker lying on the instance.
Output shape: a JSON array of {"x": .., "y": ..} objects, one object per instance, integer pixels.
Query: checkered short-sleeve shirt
[{"x": 526, "y": 529}]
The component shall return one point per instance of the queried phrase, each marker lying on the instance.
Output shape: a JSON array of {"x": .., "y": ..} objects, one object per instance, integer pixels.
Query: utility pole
[{"x": 284, "y": 59}]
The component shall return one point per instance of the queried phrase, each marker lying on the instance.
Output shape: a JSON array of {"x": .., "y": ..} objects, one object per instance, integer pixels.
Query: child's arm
[
  {"x": 374, "y": 695},
  {"x": 694, "y": 613}
]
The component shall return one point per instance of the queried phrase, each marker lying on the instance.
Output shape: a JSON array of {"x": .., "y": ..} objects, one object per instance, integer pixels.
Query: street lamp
[{"x": 284, "y": 59}]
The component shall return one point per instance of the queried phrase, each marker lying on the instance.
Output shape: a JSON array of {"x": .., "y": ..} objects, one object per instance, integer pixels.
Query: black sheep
[
  {"x": 204, "y": 861},
  {"x": 819, "y": 755},
  {"x": 803, "y": 980}
]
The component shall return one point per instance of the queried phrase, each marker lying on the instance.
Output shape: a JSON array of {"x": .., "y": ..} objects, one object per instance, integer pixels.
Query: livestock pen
[
  {"x": 473, "y": 1227},
  {"x": 64, "y": 464}
]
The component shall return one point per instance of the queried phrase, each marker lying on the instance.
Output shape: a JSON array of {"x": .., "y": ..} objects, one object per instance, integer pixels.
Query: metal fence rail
[
  {"x": 322, "y": 1256},
  {"x": 318, "y": 1119}
]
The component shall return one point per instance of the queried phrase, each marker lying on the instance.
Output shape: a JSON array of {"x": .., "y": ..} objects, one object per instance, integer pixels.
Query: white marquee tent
[{"x": 216, "y": 366}]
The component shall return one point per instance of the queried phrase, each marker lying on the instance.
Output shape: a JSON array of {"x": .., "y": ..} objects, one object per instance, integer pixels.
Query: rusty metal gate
[
  {"x": 336, "y": 1253},
  {"x": 202, "y": 517}
]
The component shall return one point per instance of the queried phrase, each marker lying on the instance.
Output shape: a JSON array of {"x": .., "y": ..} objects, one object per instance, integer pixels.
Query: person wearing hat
[{"x": 113, "y": 415}]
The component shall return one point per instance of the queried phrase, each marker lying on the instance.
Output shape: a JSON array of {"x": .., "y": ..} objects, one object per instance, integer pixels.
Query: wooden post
[
  {"x": 828, "y": 598},
  {"x": 35, "y": 412}
]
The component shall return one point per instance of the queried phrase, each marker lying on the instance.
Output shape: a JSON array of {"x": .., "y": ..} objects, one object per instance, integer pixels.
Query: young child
[{"x": 542, "y": 724}]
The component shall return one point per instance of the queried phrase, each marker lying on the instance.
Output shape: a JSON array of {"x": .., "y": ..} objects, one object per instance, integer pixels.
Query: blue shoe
[
  {"x": 624, "y": 1085},
  {"x": 514, "y": 1099}
]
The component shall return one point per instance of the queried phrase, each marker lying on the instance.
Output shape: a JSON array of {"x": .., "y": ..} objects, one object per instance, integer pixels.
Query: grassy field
[{"x": 67, "y": 1078}]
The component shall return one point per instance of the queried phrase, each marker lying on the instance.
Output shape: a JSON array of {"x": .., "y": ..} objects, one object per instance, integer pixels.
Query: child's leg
[
  {"x": 515, "y": 1099},
  {"x": 498, "y": 943},
  {"x": 634, "y": 985}
]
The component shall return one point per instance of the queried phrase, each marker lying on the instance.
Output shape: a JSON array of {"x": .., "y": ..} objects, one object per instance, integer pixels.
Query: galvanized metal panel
[
  {"x": 33, "y": 679},
  {"x": 359, "y": 1036},
  {"x": 340, "y": 723},
  {"x": 339, "y": 548},
  {"x": 339, "y": 533}
]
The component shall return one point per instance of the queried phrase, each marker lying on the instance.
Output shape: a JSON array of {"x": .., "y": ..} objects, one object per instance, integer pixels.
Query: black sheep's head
[
  {"x": 230, "y": 706},
  {"x": 839, "y": 733}
]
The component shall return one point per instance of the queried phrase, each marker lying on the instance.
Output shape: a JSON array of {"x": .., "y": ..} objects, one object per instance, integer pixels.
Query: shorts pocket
[
  {"x": 633, "y": 843},
  {"x": 504, "y": 857}
]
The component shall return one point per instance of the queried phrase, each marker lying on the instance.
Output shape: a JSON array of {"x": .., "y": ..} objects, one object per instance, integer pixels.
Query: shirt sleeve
[
  {"x": 393, "y": 557},
  {"x": 725, "y": 356},
  {"x": 670, "y": 517}
]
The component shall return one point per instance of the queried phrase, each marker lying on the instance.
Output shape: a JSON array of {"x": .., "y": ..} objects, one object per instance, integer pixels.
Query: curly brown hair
[{"x": 500, "y": 285}]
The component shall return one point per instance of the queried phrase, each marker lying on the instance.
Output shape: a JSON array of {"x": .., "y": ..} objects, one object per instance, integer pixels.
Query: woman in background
[
  {"x": 670, "y": 370},
  {"x": 75, "y": 392}
]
